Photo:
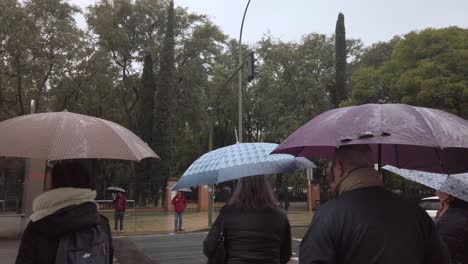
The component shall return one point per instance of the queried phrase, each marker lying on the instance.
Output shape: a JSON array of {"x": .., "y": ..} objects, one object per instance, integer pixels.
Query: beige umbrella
[{"x": 65, "y": 135}]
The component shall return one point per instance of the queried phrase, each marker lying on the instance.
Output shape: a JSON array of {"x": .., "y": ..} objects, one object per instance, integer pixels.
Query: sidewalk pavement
[
  {"x": 142, "y": 223},
  {"x": 8, "y": 251}
]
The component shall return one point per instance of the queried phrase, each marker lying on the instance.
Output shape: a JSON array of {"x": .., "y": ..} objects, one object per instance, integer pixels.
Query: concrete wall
[{"x": 11, "y": 225}]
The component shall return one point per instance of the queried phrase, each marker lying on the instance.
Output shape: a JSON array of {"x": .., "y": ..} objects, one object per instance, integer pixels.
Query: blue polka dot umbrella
[
  {"x": 455, "y": 184},
  {"x": 237, "y": 161}
]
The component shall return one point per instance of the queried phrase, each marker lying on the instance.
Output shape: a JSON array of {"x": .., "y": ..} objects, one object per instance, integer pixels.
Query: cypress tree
[
  {"x": 338, "y": 94},
  {"x": 145, "y": 121},
  {"x": 165, "y": 104}
]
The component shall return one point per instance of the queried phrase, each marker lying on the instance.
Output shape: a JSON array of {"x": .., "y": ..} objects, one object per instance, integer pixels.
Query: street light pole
[
  {"x": 210, "y": 148},
  {"x": 240, "y": 72}
]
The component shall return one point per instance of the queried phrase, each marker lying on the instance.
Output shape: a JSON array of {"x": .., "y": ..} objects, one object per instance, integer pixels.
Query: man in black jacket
[{"x": 366, "y": 223}]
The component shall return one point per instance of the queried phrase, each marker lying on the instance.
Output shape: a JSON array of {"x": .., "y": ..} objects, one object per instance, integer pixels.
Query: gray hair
[{"x": 355, "y": 156}]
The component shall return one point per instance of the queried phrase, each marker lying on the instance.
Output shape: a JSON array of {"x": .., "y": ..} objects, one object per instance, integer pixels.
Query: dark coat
[
  {"x": 453, "y": 229},
  {"x": 371, "y": 225},
  {"x": 40, "y": 239},
  {"x": 256, "y": 236}
]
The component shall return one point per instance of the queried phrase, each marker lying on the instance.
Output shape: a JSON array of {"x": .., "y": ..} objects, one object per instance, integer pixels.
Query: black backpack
[{"x": 86, "y": 246}]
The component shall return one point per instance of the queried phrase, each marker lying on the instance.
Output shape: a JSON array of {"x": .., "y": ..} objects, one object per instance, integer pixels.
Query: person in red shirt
[
  {"x": 179, "y": 202},
  {"x": 120, "y": 205}
]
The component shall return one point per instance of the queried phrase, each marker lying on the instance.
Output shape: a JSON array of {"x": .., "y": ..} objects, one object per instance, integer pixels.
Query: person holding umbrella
[
  {"x": 366, "y": 223},
  {"x": 120, "y": 206},
  {"x": 180, "y": 203},
  {"x": 452, "y": 224},
  {"x": 254, "y": 229},
  {"x": 452, "y": 218}
]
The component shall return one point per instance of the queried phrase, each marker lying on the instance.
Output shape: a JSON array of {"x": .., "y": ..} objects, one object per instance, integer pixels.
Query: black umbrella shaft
[{"x": 380, "y": 158}]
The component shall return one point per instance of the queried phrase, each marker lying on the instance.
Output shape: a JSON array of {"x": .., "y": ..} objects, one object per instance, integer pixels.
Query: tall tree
[
  {"x": 426, "y": 68},
  {"x": 338, "y": 94},
  {"x": 165, "y": 104},
  {"x": 145, "y": 119},
  {"x": 145, "y": 115}
]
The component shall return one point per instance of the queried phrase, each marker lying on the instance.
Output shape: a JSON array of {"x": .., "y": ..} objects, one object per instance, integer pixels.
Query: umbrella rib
[
  {"x": 118, "y": 136},
  {"x": 429, "y": 127}
]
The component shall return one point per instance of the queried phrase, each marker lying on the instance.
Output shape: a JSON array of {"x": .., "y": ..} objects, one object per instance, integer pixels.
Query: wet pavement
[
  {"x": 164, "y": 248},
  {"x": 143, "y": 223},
  {"x": 182, "y": 248}
]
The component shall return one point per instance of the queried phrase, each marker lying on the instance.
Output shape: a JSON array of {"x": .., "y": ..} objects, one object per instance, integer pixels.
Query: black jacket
[
  {"x": 371, "y": 226},
  {"x": 256, "y": 236},
  {"x": 40, "y": 239},
  {"x": 453, "y": 229}
]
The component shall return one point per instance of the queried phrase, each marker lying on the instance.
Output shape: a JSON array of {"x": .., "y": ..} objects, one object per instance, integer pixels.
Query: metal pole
[
  {"x": 210, "y": 188},
  {"x": 210, "y": 204},
  {"x": 33, "y": 106},
  {"x": 240, "y": 72}
]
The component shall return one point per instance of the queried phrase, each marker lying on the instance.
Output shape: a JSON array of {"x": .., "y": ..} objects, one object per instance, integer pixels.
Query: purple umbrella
[{"x": 401, "y": 135}]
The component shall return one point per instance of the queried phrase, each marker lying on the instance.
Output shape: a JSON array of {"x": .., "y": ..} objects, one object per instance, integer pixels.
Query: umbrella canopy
[
  {"x": 65, "y": 135},
  {"x": 408, "y": 137},
  {"x": 455, "y": 185},
  {"x": 116, "y": 189},
  {"x": 239, "y": 160}
]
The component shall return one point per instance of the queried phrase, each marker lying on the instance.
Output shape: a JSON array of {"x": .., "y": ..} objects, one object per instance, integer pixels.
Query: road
[{"x": 176, "y": 249}]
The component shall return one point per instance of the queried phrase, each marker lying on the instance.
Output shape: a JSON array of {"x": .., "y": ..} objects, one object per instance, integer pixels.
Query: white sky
[{"x": 369, "y": 20}]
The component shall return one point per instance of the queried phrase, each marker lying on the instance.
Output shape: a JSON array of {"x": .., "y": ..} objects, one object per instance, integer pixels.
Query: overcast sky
[{"x": 369, "y": 20}]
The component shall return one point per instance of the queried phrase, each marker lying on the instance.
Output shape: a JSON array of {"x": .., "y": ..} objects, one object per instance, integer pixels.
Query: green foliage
[
  {"x": 164, "y": 133},
  {"x": 427, "y": 68},
  {"x": 157, "y": 69}
]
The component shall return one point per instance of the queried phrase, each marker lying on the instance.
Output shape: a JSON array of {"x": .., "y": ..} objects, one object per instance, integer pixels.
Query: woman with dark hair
[
  {"x": 63, "y": 212},
  {"x": 254, "y": 229},
  {"x": 452, "y": 224}
]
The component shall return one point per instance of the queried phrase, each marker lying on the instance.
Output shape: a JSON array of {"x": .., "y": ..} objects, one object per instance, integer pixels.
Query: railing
[
  {"x": 11, "y": 197},
  {"x": 109, "y": 204}
]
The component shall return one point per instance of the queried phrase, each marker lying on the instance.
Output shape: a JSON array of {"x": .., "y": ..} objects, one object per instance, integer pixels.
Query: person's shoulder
[{"x": 339, "y": 202}]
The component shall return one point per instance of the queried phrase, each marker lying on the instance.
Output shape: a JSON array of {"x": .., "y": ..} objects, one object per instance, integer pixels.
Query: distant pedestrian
[
  {"x": 180, "y": 203},
  {"x": 452, "y": 224},
  {"x": 120, "y": 206},
  {"x": 366, "y": 223},
  {"x": 254, "y": 229},
  {"x": 65, "y": 226}
]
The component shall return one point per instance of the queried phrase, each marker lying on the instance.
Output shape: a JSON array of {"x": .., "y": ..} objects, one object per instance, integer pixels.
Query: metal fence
[
  {"x": 11, "y": 197},
  {"x": 192, "y": 200},
  {"x": 109, "y": 204},
  {"x": 147, "y": 197}
]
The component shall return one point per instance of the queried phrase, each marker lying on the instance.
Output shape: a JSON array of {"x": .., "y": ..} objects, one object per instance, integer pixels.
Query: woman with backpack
[
  {"x": 65, "y": 226},
  {"x": 120, "y": 205},
  {"x": 250, "y": 228}
]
